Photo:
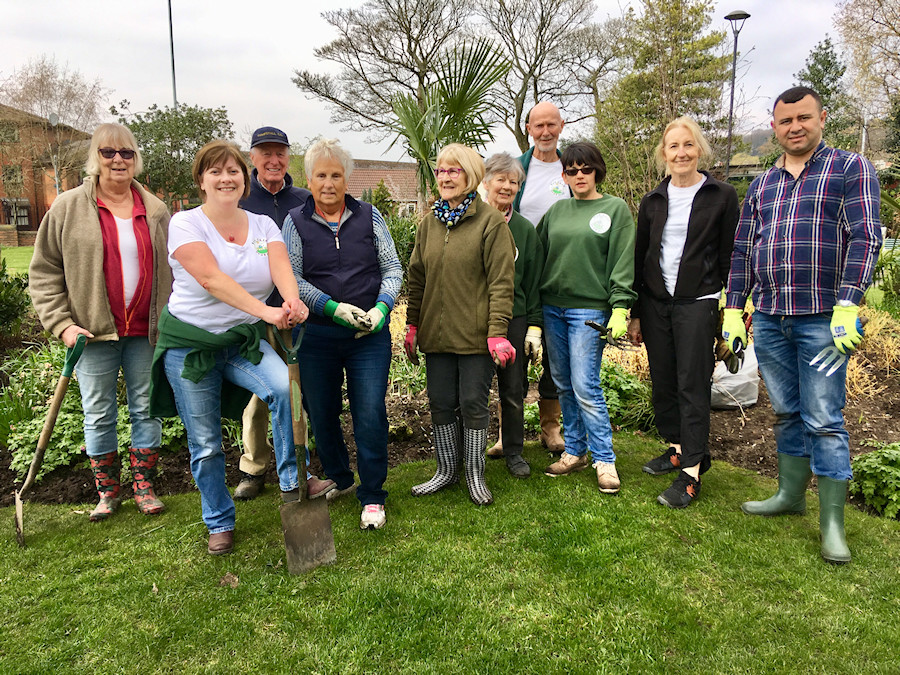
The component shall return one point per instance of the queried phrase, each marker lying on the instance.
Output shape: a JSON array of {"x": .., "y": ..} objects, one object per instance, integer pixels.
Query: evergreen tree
[{"x": 824, "y": 72}]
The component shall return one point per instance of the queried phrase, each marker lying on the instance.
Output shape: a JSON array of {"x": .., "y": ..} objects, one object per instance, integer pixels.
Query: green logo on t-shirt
[{"x": 262, "y": 246}]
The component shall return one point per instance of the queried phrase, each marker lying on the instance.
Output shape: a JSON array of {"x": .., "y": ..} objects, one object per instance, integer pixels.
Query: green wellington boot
[
  {"x": 832, "y": 497},
  {"x": 794, "y": 475}
]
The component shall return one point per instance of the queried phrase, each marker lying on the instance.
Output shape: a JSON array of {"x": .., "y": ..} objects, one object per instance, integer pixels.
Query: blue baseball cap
[{"x": 268, "y": 135}]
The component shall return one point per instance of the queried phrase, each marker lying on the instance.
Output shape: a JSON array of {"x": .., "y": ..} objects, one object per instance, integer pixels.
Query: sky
[{"x": 242, "y": 56}]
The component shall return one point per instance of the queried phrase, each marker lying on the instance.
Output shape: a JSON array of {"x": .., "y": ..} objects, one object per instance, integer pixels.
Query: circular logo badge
[
  {"x": 517, "y": 254},
  {"x": 558, "y": 187},
  {"x": 600, "y": 223}
]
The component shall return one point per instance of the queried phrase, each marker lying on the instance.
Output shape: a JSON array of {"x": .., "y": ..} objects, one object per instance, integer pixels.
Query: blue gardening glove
[
  {"x": 845, "y": 328},
  {"x": 373, "y": 321},
  {"x": 618, "y": 323},
  {"x": 734, "y": 332},
  {"x": 344, "y": 314}
]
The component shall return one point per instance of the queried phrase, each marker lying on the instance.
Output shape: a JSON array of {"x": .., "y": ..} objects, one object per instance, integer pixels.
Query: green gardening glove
[
  {"x": 345, "y": 314},
  {"x": 374, "y": 319},
  {"x": 618, "y": 323},
  {"x": 734, "y": 332},
  {"x": 844, "y": 328}
]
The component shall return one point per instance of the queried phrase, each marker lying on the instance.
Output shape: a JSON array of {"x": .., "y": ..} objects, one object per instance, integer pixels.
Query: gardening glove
[
  {"x": 618, "y": 323},
  {"x": 846, "y": 330},
  {"x": 409, "y": 344},
  {"x": 373, "y": 321},
  {"x": 734, "y": 331},
  {"x": 533, "y": 348},
  {"x": 344, "y": 314},
  {"x": 501, "y": 351}
]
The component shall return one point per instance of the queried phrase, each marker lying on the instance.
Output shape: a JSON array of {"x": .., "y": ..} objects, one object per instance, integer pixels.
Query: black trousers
[
  {"x": 546, "y": 387},
  {"x": 511, "y": 383},
  {"x": 458, "y": 388},
  {"x": 680, "y": 339}
]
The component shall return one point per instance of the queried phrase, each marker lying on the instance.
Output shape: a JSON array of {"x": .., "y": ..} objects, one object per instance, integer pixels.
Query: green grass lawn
[
  {"x": 17, "y": 258},
  {"x": 553, "y": 578}
]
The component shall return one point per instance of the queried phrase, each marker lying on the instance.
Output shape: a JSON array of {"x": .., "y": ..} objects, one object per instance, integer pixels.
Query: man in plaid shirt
[{"x": 806, "y": 246}]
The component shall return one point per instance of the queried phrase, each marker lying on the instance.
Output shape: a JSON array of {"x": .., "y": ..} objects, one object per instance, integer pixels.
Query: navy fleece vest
[{"x": 343, "y": 266}]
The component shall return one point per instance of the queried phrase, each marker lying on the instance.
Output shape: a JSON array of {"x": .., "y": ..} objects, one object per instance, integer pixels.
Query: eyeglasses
[
  {"x": 452, "y": 172},
  {"x": 586, "y": 170},
  {"x": 109, "y": 153}
]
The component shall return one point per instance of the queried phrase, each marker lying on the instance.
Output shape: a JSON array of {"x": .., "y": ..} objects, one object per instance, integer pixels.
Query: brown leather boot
[
  {"x": 496, "y": 450},
  {"x": 550, "y": 431},
  {"x": 106, "y": 469},
  {"x": 143, "y": 471}
]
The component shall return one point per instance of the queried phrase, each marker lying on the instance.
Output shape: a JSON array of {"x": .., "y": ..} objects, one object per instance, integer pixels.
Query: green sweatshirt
[
  {"x": 174, "y": 334},
  {"x": 529, "y": 267},
  {"x": 589, "y": 246}
]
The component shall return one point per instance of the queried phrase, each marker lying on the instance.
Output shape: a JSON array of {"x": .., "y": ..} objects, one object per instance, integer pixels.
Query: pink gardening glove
[
  {"x": 410, "y": 343},
  {"x": 501, "y": 351}
]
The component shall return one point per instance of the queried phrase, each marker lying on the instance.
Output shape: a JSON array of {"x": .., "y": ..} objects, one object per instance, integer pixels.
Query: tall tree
[
  {"x": 169, "y": 138},
  {"x": 385, "y": 48},
  {"x": 675, "y": 66},
  {"x": 54, "y": 92},
  {"x": 824, "y": 71}
]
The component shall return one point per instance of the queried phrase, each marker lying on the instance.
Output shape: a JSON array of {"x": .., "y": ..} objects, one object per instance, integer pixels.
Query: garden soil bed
[{"x": 743, "y": 439}]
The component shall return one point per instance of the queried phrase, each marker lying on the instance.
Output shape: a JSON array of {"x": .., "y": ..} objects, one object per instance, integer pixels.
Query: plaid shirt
[{"x": 803, "y": 244}]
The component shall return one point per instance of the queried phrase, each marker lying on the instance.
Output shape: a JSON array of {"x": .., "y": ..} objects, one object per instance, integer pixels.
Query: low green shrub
[
  {"x": 532, "y": 419},
  {"x": 14, "y": 300},
  {"x": 628, "y": 398},
  {"x": 405, "y": 378},
  {"x": 876, "y": 478}
]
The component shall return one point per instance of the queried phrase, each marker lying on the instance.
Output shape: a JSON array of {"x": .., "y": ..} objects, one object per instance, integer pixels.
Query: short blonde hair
[
  {"x": 695, "y": 131},
  {"x": 327, "y": 148},
  {"x": 112, "y": 135},
  {"x": 217, "y": 153},
  {"x": 468, "y": 160}
]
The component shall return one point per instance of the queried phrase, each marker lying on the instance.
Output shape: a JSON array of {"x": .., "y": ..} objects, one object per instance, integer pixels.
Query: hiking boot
[
  {"x": 372, "y": 517},
  {"x": 221, "y": 543},
  {"x": 250, "y": 487},
  {"x": 517, "y": 466},
  {"x": 316, "y": 487},
  {"x": 681, "y": 492},
  {"x": 607, "y": 477},
  {"x": 667, "y": 462},
  {"x": 567, "y": 464}
]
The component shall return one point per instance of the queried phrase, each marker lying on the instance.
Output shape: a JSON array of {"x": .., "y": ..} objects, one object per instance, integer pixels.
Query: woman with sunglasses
[
  {"x": 461, "y": 275},
  {"x": 100, "y": 270},
  {"x": 588, "y": 276}
]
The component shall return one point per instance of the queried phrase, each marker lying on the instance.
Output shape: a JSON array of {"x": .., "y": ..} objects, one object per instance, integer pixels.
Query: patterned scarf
[{"x": 448, "y": 216}]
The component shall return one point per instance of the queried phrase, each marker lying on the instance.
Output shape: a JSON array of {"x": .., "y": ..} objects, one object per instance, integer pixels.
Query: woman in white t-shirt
[
  {"x": 226, "y": 262},
  {"x": 685, "y": 232}
]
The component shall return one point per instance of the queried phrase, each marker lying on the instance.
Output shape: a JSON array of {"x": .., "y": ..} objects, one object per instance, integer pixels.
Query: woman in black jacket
[{"x": 685, "y": 232}]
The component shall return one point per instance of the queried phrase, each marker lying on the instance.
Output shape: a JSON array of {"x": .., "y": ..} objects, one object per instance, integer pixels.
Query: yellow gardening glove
[
  {"x": 618, "y": 323},
  {"x": 845, "y": 328},
  {"x": 734, "y": 332}
]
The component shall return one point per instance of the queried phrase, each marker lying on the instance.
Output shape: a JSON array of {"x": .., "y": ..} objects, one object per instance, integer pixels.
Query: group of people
[{"x": 518, "y": 259}]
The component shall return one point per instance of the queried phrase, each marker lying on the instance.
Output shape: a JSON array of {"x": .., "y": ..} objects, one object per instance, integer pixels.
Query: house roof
[{"x": 398, "y": 177}]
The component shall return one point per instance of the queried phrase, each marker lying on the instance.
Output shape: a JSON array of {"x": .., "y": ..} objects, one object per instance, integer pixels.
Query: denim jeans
[
  {"x": 98, "y": 372},
  {"x": 575, "y": 352},
  {"x": 200, "y": 408},
  {"x": 808, "y": 405},
  {"x": 326, "y": 354}
]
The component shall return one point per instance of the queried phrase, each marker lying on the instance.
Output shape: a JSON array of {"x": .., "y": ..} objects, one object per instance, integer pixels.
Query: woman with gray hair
[
  {"x": 349, "y": 275},
  {"x": 100, "y": 270},
  {"x": 503, "y": 175}
]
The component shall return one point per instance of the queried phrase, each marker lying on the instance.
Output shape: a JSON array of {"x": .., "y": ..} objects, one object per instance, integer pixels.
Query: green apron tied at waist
[{"x": 175, "y": 334}]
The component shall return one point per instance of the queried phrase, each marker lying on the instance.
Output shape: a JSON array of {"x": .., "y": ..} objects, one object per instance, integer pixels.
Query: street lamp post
[
  {"x": 737, "y": 19},
  {"x": 172, "y": 54}
]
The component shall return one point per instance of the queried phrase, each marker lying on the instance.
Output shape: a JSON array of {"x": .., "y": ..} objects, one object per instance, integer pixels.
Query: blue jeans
[
  {"x": 575, "y": 352},
  {"x": 98, "y": 372},
  {"x": 326, "y": 354},
  {"x": 200, "y": 408},
  {"x": 808, "y": 406}
]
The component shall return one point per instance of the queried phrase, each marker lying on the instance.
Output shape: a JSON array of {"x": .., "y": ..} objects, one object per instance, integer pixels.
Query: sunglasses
[
  {"x": 109, "y": 153},
  {"x": 586, "y": 170},
  {"x": 452, "y": 172}
]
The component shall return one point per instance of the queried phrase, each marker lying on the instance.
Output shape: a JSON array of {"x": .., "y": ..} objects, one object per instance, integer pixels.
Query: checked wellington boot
[
  {"x": 474, "y": 441},
  {"x": 106, "y": 471},
  {"x": 143, "y": 471},
  {"x": 794, "y": 475},
  {"x": 446, "y": 451},
  {"x": 832, "y": 497}
]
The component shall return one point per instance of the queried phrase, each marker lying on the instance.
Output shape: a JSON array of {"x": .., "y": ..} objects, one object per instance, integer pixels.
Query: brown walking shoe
[
  {"x": 607, "y": 477},
  {"x": 567, "y": 464}
]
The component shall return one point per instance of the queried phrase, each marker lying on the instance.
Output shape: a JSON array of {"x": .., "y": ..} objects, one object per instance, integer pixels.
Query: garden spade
[
  {"x": 308, "y": 539},
  {"x": 72, "y": 356}
]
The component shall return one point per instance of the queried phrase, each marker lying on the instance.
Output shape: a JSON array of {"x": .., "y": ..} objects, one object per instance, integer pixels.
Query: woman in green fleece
[{"x": 588, "y": 275}]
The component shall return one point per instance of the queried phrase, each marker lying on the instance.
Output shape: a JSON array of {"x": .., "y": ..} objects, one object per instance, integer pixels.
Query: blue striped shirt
[{"x": 803, "y": 244}]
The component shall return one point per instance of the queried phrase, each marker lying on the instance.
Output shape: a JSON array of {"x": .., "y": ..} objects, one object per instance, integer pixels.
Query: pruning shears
[{"x": 619, "y": 343}]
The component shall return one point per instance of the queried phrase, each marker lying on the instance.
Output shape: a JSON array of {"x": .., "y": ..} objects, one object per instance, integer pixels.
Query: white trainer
[{"x": 372, "y": 517}]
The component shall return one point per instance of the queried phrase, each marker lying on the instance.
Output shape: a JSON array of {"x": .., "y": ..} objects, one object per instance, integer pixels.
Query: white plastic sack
[{"x": 741, "y": 389}]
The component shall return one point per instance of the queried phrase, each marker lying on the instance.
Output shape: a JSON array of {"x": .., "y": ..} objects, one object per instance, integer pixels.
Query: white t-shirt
[
  {"x": 544, "y": 187},
  {"x": 248, "y": 265},
  {"x": 128, "y": 252},
  {"x": 675, "y": 232}
]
